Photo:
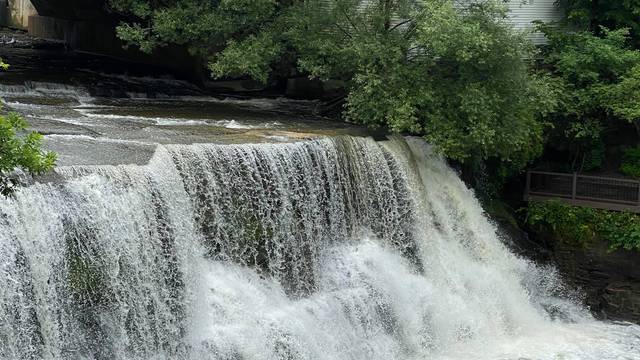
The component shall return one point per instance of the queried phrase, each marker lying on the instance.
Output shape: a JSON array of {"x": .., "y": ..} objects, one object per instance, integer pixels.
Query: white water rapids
[{"x": 341, "y": 248}]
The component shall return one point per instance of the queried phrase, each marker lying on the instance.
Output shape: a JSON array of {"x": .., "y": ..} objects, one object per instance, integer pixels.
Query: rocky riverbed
[{"x": 95, "y": 110}]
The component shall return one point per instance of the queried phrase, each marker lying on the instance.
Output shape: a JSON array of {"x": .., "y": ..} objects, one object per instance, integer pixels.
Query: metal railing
[{"x": 584, "y": 190}]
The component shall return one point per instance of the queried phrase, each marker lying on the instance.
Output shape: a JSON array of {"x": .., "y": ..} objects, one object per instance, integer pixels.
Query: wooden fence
[{"x": 583, "y": 190}]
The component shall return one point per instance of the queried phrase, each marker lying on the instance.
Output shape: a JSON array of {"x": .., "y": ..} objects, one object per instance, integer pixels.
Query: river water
[{"x": 200, "y": 228}]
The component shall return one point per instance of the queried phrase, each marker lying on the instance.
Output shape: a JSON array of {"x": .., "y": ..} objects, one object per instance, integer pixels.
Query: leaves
[
  {"x": 592, "y": 15},
  {"x": 631, "y": 162},
  {"x": 581, "y": 226},
  {"x": 599, "y": 78},
  {"x": 252, "y": 56},
  {"x": 20, "y": 150}
]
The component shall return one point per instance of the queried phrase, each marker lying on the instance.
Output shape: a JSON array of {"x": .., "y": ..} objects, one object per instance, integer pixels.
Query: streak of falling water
[{"x": 339, "y": 248}]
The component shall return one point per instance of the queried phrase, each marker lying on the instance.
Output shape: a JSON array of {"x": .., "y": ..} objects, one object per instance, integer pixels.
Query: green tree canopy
[
  {"x": 593, "y": 15},
  {"x": 600, "y": 81}
]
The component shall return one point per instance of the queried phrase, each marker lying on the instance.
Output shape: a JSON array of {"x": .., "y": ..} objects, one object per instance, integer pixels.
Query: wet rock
[
  {"x": 623, "y": 299},
  {"x": 609, "y": 279}
]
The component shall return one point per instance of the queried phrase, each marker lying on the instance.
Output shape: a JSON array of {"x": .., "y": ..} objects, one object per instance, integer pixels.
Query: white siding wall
[{"x": 523, "y": 12}]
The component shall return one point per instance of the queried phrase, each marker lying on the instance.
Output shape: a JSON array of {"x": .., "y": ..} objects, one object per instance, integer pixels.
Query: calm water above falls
[{"x": 336, "y": 248}]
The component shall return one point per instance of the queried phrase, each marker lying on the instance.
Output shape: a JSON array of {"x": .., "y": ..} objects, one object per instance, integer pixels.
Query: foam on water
[{"x": 340, "y": 248}]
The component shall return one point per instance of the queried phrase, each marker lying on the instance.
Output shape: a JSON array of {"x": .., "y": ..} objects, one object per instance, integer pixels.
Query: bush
[
  {"x": 631, "y": 162},
  {"x": 580, "y": 226},
  {"x": 20, "y": 149},
  {"x": 600, "y": 78},
  {"x": 594, "y": 156}
]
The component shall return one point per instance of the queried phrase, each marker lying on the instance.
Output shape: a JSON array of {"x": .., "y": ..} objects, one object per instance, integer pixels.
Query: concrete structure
[
  {"x": 86, "y": 25},
  {"x": 16, "y": 13}
]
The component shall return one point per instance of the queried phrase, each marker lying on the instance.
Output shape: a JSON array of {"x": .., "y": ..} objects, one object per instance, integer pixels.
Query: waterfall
[{"x": 336, "y": 248}]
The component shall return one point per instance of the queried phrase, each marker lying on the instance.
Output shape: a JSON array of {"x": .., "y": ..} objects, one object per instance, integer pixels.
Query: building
[{"x": 524, "y": 12}]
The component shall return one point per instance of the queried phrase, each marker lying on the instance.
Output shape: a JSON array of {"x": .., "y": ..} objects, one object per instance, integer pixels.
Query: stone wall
[
  {"x": 16, "y": 13},
  {"x": 610, "y": 279},
  {"x": 99, "y": 37}
]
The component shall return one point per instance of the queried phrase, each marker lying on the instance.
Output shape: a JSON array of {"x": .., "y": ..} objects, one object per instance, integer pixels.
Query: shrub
[
  {"x": 581, "y": 226},
  {"x": 20, "y": 149},
  {"x": 631, "y": 162}
]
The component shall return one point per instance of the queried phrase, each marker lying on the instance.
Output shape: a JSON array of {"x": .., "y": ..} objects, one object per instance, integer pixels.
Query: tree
[
  {"x": 20, "y": 150},
  {"x": 454, "y": 75},
  {"x": 593, "y": 15},
  {"x": 600, "y": 78}
]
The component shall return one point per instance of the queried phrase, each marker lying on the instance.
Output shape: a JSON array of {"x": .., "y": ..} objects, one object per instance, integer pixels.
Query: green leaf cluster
[
  {"x": 20, "y": 149},
  {"x": 631, "y": 162},
  {"x": 580, "y": 226},
  {"x": 592, "y": 15},
  {"x": 599, "y": 82}
]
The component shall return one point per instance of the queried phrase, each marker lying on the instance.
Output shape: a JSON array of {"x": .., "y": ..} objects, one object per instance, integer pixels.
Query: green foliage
[
  {"x": 203, "y": 26},
  {"x": 624, "y": 96},
  {"x": 569, "y": 224},
  {"x": 631, "y": 162},
  {"x": 20, "y": 149},
  {"x": 252, "y": 57},
  {"x": 616, "y": 14},
  {"x": 594, "y": 156},
  {"x": 456, "y": 76},
  {"x": 580, "y": 227},
  {"x": 3, "y": 65},
  {"x": 599, "y": 78}
]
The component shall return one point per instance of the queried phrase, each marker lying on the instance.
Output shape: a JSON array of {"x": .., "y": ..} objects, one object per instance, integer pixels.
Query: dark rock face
[
  {"x": 71, "y": 9},
  {"x": 610, "y": 280}
]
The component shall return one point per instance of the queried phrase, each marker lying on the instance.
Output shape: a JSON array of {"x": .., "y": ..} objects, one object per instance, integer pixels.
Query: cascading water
[{"x": 341, "y": 248}]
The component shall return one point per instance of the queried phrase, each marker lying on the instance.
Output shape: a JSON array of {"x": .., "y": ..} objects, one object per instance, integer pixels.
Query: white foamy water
[
  {"x": 337, "y": 248},
  {"x": 169, "y": 121}
]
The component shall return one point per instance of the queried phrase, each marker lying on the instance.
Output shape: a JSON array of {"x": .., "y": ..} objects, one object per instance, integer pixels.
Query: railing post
[{"x": 574, "y": 185}]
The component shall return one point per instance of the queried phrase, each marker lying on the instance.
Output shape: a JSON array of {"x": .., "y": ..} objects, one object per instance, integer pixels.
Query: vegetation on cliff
[
  {"x": 595, "y": 63},
  {"x": 580, "y": 226}
]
